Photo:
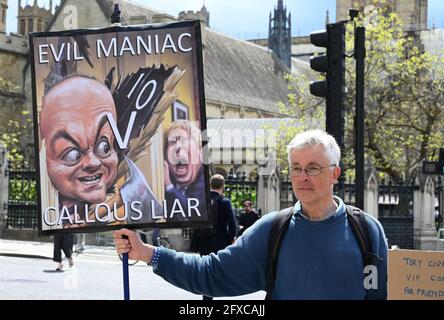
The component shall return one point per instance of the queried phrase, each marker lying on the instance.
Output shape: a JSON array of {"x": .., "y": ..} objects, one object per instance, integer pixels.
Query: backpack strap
[
  {"x": 359, "y": 228},
  {"x": 278, "y": 229}
]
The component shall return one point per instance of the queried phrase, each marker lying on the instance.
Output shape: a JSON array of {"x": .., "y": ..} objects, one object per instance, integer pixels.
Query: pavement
[
  {"x": 44, "y": 250},
  {"x": 79, "y": 283}
]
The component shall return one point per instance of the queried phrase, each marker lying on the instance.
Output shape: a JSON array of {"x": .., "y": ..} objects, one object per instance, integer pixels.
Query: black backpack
[
  {"x": 213, "y": 218},
  {"x": 280, "y": 226}
]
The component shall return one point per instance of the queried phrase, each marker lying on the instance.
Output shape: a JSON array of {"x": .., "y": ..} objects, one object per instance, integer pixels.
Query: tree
[
  {"x": 404, "y": 98},
  {"x": 11, "y": 137},
  {"x": 14, "y": 130},
  {"x": 404, "y": 94},
  {"x": 304, "y": 112}
]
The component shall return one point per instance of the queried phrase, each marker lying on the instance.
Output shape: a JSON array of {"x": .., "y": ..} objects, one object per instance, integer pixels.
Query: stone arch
[
  {"x": 429, "y": 201},
  {"x": 273, "y": 180},
  {"x": 371, "y": 195}
]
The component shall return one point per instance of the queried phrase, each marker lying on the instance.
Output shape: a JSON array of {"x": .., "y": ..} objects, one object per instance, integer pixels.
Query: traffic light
[{"x": 333, "y": 64}]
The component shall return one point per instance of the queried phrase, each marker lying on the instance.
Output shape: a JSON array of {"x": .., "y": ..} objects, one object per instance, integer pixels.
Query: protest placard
[
  {"x": 118, "y": 116},
  {"x": 415, "y": 275}
]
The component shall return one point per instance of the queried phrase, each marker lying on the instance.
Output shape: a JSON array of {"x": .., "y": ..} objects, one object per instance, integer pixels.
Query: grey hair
[{"x": 316, "y": 137}]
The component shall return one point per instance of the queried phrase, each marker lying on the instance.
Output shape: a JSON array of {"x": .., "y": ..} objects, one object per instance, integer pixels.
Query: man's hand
[
  {"x": 166, "y": 174},
  {"x": 135, "y": 248}
]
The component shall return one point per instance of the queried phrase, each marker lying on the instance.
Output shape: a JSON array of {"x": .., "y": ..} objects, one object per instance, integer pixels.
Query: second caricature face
[
  {"x": 80, "y": 155},
  {"x": 184, "y": 156}
]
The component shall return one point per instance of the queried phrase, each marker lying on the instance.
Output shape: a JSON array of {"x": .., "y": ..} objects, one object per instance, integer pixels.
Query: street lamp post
[{"x": 360, "y": 114}]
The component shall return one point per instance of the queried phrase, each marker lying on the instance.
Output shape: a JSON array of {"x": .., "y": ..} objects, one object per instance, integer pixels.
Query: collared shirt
[{"x": 298, "y": 210}]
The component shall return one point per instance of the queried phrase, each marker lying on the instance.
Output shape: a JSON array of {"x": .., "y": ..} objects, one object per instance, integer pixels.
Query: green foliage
[
  {"x": 403, "y": 100},
  {"x": 11, "y": 137},
  {"x": 238, "y": 193},
  {"x": 22, "y": 190},
  {"x": 404, "y": 93},
  {"x": 304, "y": 111},
  {"x": 19, "y": 189}
]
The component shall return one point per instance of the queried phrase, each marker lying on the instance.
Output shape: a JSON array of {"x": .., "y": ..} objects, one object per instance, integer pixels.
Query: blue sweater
[{"x": 318, "y": 260}]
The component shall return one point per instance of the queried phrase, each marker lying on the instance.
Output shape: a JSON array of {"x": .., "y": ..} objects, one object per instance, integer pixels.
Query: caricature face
[
  {"x": 184, "y": 156},
  {"x": 80, "y": 157}
]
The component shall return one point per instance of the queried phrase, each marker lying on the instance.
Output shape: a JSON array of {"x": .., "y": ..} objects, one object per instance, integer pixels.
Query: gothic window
[
  {"x": 31, "y": 25},
  {"x": 40, "y": 25},
  {"x": 22, "y": 26},
  {"x": 3, "y": 16}
]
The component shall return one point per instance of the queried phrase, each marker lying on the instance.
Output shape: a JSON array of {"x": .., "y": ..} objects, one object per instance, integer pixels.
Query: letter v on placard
[{"x": 123, "y": 144}]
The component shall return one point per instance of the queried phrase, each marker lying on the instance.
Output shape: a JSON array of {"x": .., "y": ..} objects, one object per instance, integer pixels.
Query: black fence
[
  {"x": 239, "y": 187},
  {"x": 345, "y": 190},
  {"x": 398, "y": 230},
  {"x": 439, "y": 212},
  {"x": 22, "y": 200},
  {"x": 395, "y": 207},
  {"x": 396, "y": 200}
]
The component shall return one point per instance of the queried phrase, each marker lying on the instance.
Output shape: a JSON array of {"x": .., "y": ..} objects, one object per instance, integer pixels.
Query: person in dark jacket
[
  {"x": 225, "y": 230},
  {"x": 248, "y": 218}
]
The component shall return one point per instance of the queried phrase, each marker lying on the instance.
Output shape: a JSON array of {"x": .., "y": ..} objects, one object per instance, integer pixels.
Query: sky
[{"x": 248, "y": 19}]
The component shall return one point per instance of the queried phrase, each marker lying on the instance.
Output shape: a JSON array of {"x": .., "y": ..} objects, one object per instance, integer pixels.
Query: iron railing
[{"x": 22, "y": 200}]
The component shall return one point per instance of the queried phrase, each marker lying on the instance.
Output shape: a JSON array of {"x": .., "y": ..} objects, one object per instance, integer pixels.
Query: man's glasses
[{"x": 310, "y": 171}]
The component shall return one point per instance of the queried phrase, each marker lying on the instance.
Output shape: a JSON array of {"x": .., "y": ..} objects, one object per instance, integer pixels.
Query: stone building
[
  {"x": 33, "y": 18},
  {"x": 279, "y": 33},
  {"x": 202, "y": 15},
  {"x": 229, "y": 62},
  {"x": 3, "y": 12},
  {"x": 413, "y": 13},
  {"x": 241, "y": 79},
  {"x": 13, "y": 58},
  {"x": 14, "y": 47}
]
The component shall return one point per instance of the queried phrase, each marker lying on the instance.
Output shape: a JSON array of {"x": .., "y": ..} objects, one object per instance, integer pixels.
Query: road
[{"x": 89, "y": 279}]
